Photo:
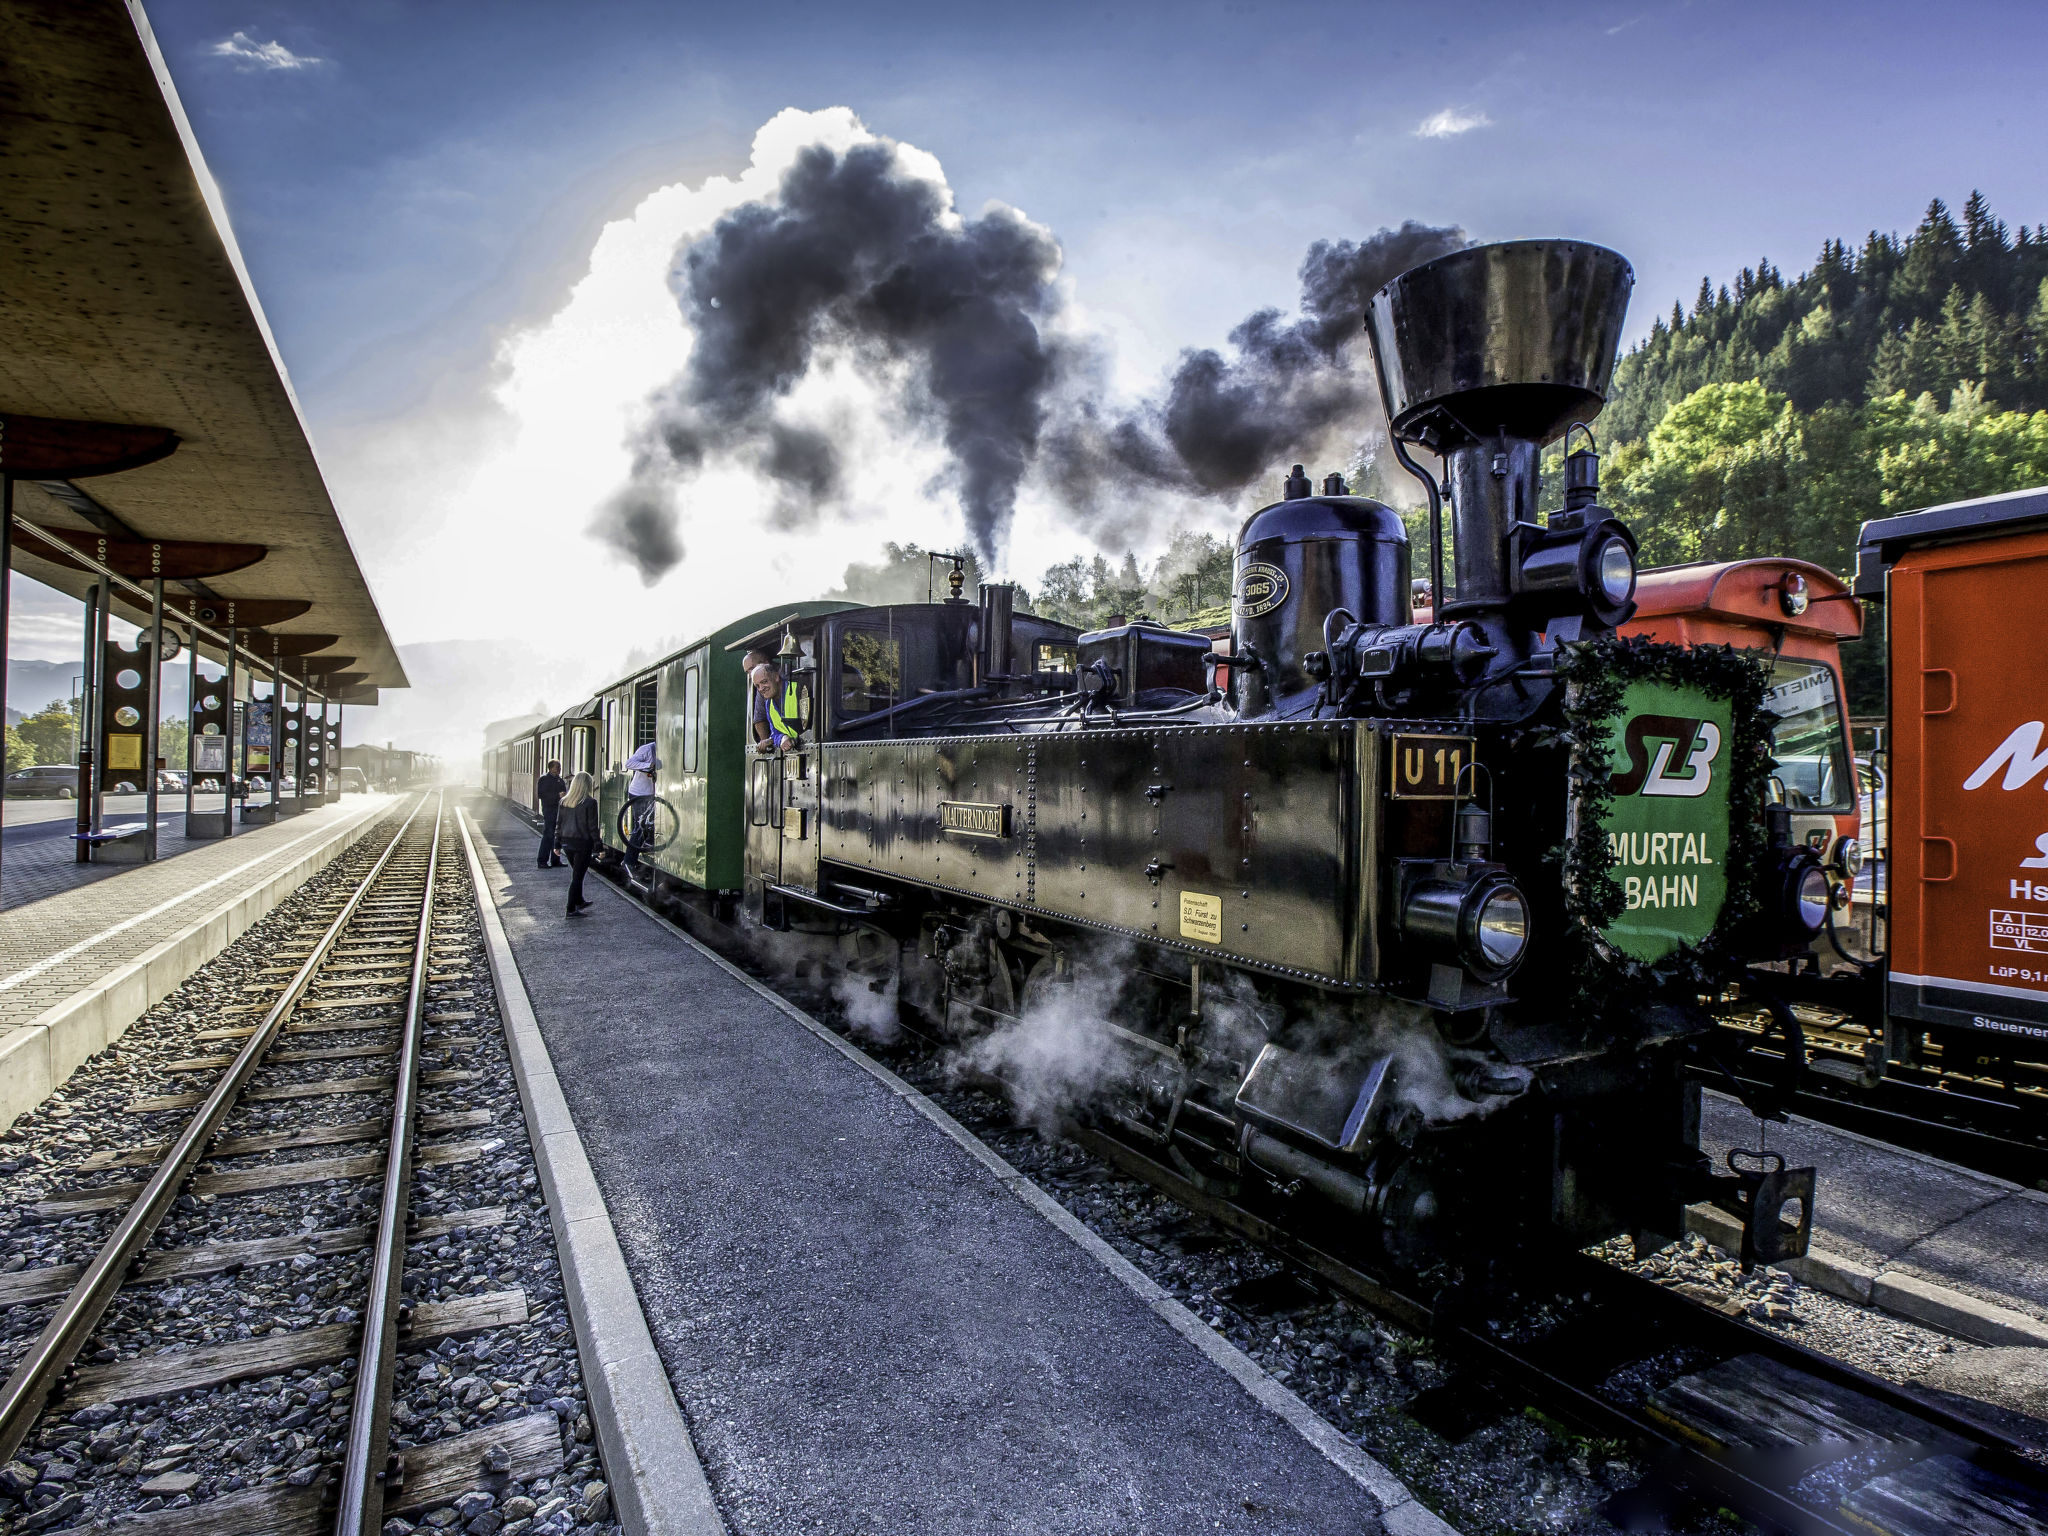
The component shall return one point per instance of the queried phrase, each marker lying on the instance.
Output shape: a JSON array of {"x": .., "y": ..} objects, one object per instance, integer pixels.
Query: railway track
[
  {"x": 319, "y": 1105},
  {"x": 1794, "y": 1440},
  {"x": 1995, "y": 1125}
]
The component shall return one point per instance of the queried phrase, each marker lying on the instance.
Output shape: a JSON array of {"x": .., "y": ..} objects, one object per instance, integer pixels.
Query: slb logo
[{"x": 1650, "y": 744}]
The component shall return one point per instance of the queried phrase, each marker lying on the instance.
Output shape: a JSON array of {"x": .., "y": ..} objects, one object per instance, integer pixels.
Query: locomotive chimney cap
[{"x": 1517, "y": 338}]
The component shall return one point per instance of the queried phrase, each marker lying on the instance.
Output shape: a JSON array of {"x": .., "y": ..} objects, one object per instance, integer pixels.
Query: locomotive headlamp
[
  {"x": 1792, "y": 594},
  {"x": 1576, "y": 564},
  {"x": 1480, "y": 922},
  {"x": 1849, "y": 856},
  {"x": 1614, "y": 571},
  {"x": 1501, "y": 926},
  {"x": 1807, "y": 896}
]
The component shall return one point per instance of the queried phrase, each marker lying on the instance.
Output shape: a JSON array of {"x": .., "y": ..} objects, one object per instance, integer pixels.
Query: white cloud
[
  {"x": 246, "y": 53},
  {"x": 472, "y": 515},
  {"x": 1451, "y": 122}
]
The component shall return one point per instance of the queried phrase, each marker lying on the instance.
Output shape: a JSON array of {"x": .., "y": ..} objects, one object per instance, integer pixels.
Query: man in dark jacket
[{"x": 548, "y": 789}]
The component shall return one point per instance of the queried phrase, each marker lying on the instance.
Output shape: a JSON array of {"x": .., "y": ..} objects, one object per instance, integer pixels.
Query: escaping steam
[{"x": 856, "y": 267}]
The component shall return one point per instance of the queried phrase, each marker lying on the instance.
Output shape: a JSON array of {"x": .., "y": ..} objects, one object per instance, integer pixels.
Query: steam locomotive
[{"x": 1403, "y": 925}]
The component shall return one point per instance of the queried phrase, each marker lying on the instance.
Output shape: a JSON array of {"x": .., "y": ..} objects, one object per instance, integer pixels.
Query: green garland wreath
[{"x": 1596, "y": 675}]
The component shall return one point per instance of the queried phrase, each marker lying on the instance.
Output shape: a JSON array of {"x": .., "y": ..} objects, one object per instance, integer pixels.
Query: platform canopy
[{"x": 124, "y": 304}]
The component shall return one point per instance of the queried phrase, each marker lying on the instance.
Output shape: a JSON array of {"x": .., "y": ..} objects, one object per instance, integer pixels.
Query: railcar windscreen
[{"x": 1811, "y": 748}]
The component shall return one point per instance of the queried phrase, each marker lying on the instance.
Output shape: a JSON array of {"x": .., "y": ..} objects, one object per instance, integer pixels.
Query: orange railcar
[
  {"x": 1801, "y": 613},
  {"x": 1965, "y": 589}
]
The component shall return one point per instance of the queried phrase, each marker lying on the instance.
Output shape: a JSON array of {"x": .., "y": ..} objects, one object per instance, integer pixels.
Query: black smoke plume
[
  {"x": 853, "y": 257},
  {"x": 1286, "y": 384}
]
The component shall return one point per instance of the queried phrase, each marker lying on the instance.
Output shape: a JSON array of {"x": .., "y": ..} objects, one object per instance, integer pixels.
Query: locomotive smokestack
[
  {"x": 1484, "y": 356},
  {"x": 998, "y": 602}
]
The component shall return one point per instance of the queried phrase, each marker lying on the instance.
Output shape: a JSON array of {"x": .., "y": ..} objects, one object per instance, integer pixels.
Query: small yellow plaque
[
  {"x": 123, "y": 751},
  {"x": 1201, "y": 917}
]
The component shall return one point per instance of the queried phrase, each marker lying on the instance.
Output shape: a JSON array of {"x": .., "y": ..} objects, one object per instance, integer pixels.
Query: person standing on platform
[
  {"x": 643, "y": 765},
  {"x": 578, "y": 830},
  {"x": 549, "y": 789}
]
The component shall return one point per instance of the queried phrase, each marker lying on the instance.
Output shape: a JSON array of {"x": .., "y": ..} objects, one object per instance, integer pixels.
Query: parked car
[
  {"x": 45, "y": 781},
  {"x": 210, "y": 785},
  {"x": 353, "y": 782},
  {"x": 170, "y": 781}
]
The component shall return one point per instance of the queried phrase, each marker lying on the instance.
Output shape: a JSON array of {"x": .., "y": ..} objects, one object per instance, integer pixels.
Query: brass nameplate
[
  {"x": 1201, "y": 917},
  {"x": 1431, "y": 768},
  {"x": 965, "y": 818}
]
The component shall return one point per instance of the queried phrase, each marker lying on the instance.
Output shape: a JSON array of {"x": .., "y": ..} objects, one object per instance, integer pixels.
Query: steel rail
[
  {"x": 1621, "y": 1294},
  {"x": 28, "y": 1389},
  {"x": 366, "y": 1461}
]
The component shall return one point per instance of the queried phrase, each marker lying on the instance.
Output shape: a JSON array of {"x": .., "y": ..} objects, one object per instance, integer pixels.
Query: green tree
[
  {"x": 51, "y": 733},
  {"x": 171, "y": 738},
  {"x": 19, "y": 753},
  {"x": 1926, "y": 455}
]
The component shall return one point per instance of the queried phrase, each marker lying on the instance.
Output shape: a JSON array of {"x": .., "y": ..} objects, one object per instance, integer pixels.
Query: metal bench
[{"x": 125, "y": 842}]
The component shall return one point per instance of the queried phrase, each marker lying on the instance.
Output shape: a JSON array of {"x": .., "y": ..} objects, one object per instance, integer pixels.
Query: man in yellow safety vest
[{"x": 775, "y": 709}]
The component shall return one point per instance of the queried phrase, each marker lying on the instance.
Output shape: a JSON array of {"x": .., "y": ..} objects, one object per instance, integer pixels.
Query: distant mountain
[{"x": 33, "y": 685}]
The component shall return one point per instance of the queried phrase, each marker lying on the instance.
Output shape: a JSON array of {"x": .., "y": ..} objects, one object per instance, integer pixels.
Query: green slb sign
[{"x": 1669, "y": 822}]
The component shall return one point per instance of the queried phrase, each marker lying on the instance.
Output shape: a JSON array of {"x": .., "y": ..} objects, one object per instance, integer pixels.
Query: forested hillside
[{"x": 1778, "y": 414}]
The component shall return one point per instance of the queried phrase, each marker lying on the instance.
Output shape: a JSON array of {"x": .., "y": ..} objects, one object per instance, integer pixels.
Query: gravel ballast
[{"x": 481, "y": 1220}]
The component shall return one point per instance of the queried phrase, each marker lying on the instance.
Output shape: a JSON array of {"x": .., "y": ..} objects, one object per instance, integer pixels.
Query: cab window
[
  {"x": 870, "y": 671},
  {"x": 1811, "y": 748}
]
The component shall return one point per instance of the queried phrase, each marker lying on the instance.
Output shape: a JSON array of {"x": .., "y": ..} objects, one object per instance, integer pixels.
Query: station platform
[
  {"x": 867, "y": 1326},
  {"x": 89, "y": 948},
  {"x": 1945, "y": 1246}
]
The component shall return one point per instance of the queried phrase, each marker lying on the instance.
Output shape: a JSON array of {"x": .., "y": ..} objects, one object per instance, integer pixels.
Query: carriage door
[
  {"x": 764, "y": 837},
  {"x": 800, "y": 767}
]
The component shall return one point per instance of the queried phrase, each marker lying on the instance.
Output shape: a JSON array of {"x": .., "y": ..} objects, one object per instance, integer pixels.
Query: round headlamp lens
[
  {"x": 1812, "y": 897},
  {"x": 1616, "y": 570},
  {"x": 1849, "y": 854},
  {"x": 1503, "y": 926}
]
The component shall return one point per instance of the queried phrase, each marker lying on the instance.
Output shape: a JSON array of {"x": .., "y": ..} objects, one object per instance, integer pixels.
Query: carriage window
[
  {"x": 643, "y": 713},
  {"x": 870, "y": 671},
  {"x": 1811, "y": 750},
  {"x": 690, "y": 726}
]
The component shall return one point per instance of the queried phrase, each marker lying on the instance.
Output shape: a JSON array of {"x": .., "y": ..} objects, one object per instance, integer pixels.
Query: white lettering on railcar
[{"x": 2020, "y": 755}]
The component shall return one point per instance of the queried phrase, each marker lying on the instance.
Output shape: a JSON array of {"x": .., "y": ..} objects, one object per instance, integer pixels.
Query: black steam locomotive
[{"x": 1408, "y": 923}]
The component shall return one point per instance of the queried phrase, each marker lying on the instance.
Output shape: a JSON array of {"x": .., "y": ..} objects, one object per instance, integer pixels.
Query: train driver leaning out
[{"x": 773, "y": 707}]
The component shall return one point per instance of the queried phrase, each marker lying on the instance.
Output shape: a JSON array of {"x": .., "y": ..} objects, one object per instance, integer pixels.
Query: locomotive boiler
[{"x": 1404, "y": 925}]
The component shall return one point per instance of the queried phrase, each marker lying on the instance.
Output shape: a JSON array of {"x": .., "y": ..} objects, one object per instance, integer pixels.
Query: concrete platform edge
[
  {"x": 40, "y": 1056},
  {"x": 1402, "y": 1513},
  {"x": 1919, "y": 1301},
  {"x": 657, "y": 1479}
]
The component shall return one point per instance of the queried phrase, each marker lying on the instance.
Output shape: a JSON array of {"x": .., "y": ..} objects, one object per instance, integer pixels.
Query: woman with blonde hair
[{"x": 577, "y": 835}]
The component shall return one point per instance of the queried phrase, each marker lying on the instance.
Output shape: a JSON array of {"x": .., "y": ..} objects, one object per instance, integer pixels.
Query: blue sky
[
  {"x": 426, "y": 195},
  {"x": 442, "y": 170}
]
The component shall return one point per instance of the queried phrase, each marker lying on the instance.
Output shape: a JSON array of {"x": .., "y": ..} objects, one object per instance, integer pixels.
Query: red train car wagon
[{"x": 1965, "y": 589}]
